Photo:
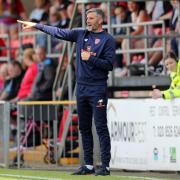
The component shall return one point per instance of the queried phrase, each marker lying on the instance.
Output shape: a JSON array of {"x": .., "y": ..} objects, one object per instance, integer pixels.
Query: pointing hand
[{"x": 26, "y": 24}]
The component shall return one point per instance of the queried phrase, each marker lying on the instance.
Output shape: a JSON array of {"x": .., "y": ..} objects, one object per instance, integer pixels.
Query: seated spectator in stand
[
  {"x": 64, "y": 16},
  {"x": 173, "y": 66},
  {"x": 40, "y": 15},
  {"x": 10, "y": 11},
  {"x": 122, "y": 15},
  {"x": 42, "y": 88},
  {"x": 15, "y": 77},
  {"x": 29, "y": 77},
  {"x": 174, "y": 26},
  {"x": 54, "y": 17},
  {"x": 40, "y": 11},
  {"x": 171, "y": 43},
  {"x": 54, "y": 20},
  {"x": 77, "y": 22},
  {"x": 159, "y": 10},
  {"x": 138, "y": 15},
  {"x": 65, "y": 8}
]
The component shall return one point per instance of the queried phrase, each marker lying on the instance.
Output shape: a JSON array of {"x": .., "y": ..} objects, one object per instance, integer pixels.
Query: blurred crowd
[
  {"x": 139, "y": 12},
  {"x": 30, "y": 74},
  {"x": 34, "y": 68}
]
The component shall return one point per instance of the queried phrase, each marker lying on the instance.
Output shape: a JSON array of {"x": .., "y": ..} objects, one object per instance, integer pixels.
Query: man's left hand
[{"x": 85, "y": 55}]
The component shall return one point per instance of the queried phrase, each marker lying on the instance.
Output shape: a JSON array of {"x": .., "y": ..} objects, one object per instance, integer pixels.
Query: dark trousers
[{"x": 93, "y": 107}]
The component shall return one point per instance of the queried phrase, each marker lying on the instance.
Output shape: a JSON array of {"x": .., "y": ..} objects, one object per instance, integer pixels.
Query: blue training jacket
[{"x": 101, "y": 45}]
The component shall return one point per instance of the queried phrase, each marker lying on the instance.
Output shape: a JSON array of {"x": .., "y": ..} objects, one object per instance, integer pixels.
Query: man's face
[
  {"x": 13, "y": 70},
  {"x": 40, "y": 55},
  {"x": 93, "y": 22}
]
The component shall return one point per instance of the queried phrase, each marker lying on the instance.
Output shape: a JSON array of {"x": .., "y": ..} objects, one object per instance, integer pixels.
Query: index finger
[{"x": 19, "y": 21}]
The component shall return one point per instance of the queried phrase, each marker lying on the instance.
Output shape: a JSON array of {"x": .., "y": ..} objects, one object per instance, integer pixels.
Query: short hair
[
  {"x": 98, "y": 11},
  {"x": 16, "y": 63}
]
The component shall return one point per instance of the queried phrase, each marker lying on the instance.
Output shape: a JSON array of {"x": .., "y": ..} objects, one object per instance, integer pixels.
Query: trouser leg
[
  {"x": 100, "y": 119},
  {"x": 85, "y": 127}
]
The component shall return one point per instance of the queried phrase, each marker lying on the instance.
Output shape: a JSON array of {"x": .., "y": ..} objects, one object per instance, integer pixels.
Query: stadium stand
[{"x": 144, "y": 32}]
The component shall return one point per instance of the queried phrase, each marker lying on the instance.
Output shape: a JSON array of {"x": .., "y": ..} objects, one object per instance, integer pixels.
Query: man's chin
[{"x": 89, "y": 28}]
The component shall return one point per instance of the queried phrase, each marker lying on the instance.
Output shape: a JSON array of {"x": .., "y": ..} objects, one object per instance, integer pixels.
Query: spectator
[
  {"x": 64, "y": 17},
  {"x": 40, "y": 11},
  {"x": 40, "y": 15},
  {"x": 78, "y": 17},
  {"x": 122, "y": 15},
  {"x": 159, "y": 10},
  {"x": 15, "y": 77},
  {"x": 173, "y": 66},
  {"x": 174, "y": 26},
  {"x": 10, "y": 11},
  {"x": 42, "y": 88},
  {"x": 138, "y": 14},
  {"x": 155, "y": 57},
  {"x": 29, "y": 77},
  {"x": 54, "y": 17},
  {"x": 54, "y": 20}
]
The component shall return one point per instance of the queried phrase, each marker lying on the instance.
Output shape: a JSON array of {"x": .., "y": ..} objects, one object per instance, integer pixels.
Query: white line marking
[
  {"x": 140, "y": 177},
  {"x": 28, "y": 177},
  {"x": 43, "y": 178}
]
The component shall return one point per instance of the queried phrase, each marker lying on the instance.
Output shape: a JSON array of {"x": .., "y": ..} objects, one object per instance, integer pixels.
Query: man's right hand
[{"x": 26, "y": 24}]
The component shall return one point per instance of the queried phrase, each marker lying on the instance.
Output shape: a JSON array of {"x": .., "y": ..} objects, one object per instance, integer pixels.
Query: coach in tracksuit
[{"x": 95, "y": 51}]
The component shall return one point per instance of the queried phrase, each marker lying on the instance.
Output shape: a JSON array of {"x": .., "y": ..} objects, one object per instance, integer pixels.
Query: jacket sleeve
[
  {"x": 172, "y": 92},
  {"x": 64, "y": 34},
  {"x": 105, "y": 63}
]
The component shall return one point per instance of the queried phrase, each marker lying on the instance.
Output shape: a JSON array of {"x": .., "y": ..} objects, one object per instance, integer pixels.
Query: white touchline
[
  {"x": 139, "y": 177},
  {"x": 28, "y": 177},
  {"x": 43, "y": 178}
]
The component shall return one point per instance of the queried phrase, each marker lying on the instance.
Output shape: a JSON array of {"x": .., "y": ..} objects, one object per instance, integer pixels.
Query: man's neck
[{"x": 98, "y": 30}]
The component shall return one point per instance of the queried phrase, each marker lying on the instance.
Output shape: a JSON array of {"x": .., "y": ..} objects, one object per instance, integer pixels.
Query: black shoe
[
  {"x": 102, "y": 172},
  {"x": 83, "y": 170}
]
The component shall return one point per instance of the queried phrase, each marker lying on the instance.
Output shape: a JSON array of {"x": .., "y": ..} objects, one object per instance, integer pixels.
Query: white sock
[
  {"x": 108, "y": 168},
  {"x": 90, "y": 167}
]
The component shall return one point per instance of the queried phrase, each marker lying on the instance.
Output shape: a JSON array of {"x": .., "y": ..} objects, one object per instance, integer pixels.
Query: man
[
  {"x": 42, "y": 88},
  {"x": 13, "y": 82},
  {"x": 95, "y": 52}
]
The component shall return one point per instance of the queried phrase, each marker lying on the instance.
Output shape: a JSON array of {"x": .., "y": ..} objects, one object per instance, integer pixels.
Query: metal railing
[
  {"x": 4, "y": 133},
  {"x": 64, "y": 77},
  {"x": 47, "y": 134},
  {"x": 146, "y": 35}
]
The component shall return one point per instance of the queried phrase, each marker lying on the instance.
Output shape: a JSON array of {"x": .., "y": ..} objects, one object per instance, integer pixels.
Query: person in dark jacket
[
  {"x": 95, "y": 53},
  {"x": 13, "y": 82},
  {"x": 42, "y": 88}
]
